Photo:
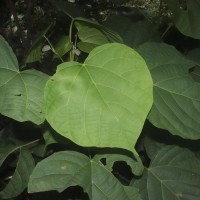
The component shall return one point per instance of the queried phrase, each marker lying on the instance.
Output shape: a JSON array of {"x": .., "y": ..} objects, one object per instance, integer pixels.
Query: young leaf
[
  {"x": 186, "y": 16},
  {"x": 103, "y": 102},
  {"x": 173, "y": 174},
  {"x": 20, "y": 177},
  {"x": 21, "y": 93},
  {"x": 176, "y": 95},
  {"x": 64, "y": 169}
]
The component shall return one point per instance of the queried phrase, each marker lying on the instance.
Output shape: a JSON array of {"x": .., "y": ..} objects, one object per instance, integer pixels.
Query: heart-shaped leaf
[
  {"x": 103, "y": 102},
  {"x": 186, "y": 16},
  {"x": 21, "y": 93},
  {"x": 176, "y": 95},
  {"x": 173, "y": 174},
  {"x": 64, "y": 169}
]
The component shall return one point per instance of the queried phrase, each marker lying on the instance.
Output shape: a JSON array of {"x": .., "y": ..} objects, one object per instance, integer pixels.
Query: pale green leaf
[
  {"x": 64, "y": 169},
  {"x": 176, "y": 105},
  {"x": 186, "y": 16},
  {"x": 21, "y": 93},
  {"x": 63, "y": 46},
  {"x": 20, "y": 178},
  {"x": 103, "y": 102},
  {"x": 173, "y": 174}
]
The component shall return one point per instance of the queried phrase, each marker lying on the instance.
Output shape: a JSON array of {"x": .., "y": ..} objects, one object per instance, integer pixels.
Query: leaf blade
[{"x": 86, "y": 98}]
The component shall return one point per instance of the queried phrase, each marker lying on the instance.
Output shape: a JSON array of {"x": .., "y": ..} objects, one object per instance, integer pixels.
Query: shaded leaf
[
  {"x": 103, "y": 102},
  {"x": 67, "y": 8},
  {"x": 194, "y": 55},
  {"x": 63, "y": 46},
  {"x": 64, "y": 169},
  {"x": 173, "y": 174},
  {"x": 186, "y": 16},
  {"x": 21, "y": 93},
  {"x": 35, "y": 52},
  {"x": 133, "y": 33},
  {"x": 176, "y": 105},
  {"x": 20, "y": 178},
  {"x": 5, "y": 152}
]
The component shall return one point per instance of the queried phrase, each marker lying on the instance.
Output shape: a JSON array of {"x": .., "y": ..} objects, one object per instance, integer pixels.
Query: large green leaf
[
  {"x": 64, "y": 169},
  {"x": 21, "y": 93},
  {"x": 176, "y": 95},
  {"x": 103, "y": 102},
  {"x": 186, "y": 16},
  {"x": 173, "y": 174},
  {"x": 20, "y": 178}
]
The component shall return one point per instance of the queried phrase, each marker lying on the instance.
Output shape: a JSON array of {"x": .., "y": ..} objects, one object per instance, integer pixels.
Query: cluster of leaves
[{"x": 119, "y": 119}]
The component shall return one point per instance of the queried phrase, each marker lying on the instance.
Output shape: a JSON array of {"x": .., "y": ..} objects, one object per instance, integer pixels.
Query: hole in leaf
[
  {"x": 103, "y": 161},
  {"x": 75, "y": 192},
  {"x": 18, "y": 95},
  {"x": 122, "y": 172}
]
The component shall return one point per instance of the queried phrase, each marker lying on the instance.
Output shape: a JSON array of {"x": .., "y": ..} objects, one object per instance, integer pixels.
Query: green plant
[{"x": 119, "y": 117}]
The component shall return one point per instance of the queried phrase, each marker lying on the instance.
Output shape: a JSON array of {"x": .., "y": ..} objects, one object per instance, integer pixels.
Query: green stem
[
  {"x": 30, "y": 143},
  {"x": 70, "y": 39}
]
